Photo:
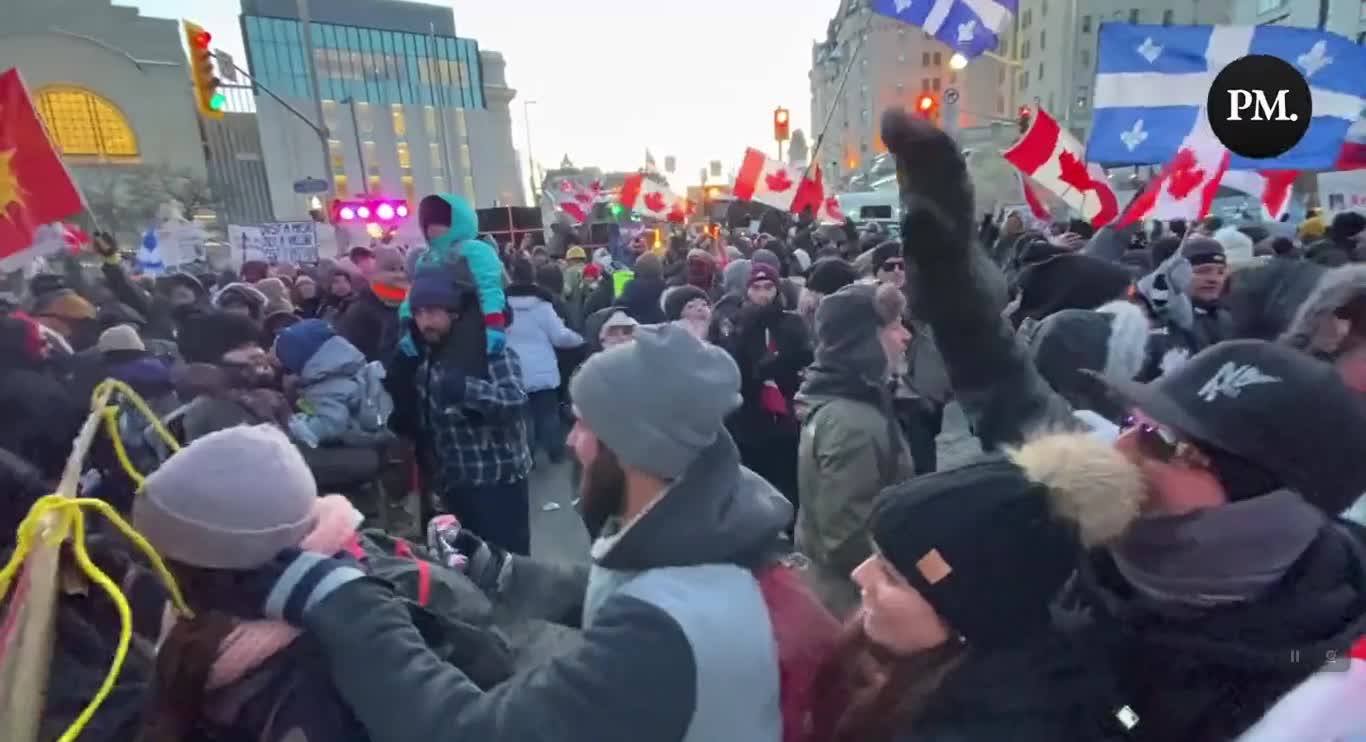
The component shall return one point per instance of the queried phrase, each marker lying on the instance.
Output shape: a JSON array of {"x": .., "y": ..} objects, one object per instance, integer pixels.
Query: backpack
[
  {"x": 374, "y": 405},
  {"x": 452, "y": 613}
]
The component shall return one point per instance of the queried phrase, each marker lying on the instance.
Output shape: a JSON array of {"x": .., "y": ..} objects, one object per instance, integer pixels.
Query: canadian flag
[
  {"x": 1186, "y": 187},
  {"x": 651, "y": 199},
  {"x": 1271, "y": 187},
  {"x": 1353, "y": 154},
  {"x": 576, "y": 199},
  {"x": 766, "y": 180},
  {"x": 1033, "y": 200},
  {"x": 811, "y": 194},
  {"x": 1056, "y": 161}
]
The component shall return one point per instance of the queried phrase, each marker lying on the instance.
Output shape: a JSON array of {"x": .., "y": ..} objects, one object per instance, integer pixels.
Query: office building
[
  {"x": 113, "y": 90},
  {"x": 895, "y": 64},
  {"x": 1346, "y": 17},
  {"x": 410, "y": 108},
  {"x": 1056, "y": 47}
]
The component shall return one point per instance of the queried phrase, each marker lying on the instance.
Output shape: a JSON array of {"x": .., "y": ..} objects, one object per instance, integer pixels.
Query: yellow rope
[{"x": 69, "y": 520}]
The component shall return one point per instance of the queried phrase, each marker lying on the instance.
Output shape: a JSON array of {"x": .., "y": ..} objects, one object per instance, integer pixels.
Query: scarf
[
  {"x": 253, "y": 642},
  {"x": 1217, "y": 556}
]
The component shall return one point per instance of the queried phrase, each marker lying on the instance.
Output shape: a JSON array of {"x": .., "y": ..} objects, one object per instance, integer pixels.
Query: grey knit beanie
[
  {"x": 200, "y": 509},
  {"x": 659, "y": 401}
]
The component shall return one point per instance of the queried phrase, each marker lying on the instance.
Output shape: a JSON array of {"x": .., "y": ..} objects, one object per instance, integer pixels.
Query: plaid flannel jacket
[{"x": 478, "y": 433}]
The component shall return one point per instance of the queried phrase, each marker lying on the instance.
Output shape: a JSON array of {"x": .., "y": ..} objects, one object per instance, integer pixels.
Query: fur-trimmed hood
[
  {"x": 1335, "y": 289},
  {"x": 1089, "y": 482}
]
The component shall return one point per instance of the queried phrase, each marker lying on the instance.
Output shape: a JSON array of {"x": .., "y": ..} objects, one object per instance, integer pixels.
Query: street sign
[
  {"x": 226, "y": 69},
  {"x": 310, "y": 185},
  {"x": 951, "y": 95}
]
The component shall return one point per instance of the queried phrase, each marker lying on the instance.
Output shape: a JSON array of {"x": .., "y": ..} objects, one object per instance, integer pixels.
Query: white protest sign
[
  {"x": 1343, "y": 191},
  {"x": 245, "y": 243},
  {"x": 290, "y": 242},
  {"x": 180, "y": 242},
  {"x": 275, "y": 242}
]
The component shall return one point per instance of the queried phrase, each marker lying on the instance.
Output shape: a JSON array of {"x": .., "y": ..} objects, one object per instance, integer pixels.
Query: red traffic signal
[
  {"x": 369, "y": 210},
  {"x": 927, "y": 107},
  {"x": 208, "y": 98},
  {"x": 781, "y": 124}
]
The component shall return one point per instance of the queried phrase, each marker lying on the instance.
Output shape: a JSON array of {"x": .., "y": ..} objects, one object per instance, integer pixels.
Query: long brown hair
[
  {"x": 865, "y": 694},
  {"x": 186, "y": 656}
]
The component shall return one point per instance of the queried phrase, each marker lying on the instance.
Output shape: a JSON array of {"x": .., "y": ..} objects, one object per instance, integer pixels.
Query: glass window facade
[{"x": 383, "y": 67}]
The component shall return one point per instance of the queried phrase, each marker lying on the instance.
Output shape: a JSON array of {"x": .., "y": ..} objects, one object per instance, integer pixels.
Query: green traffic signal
[{"x": 217, "y": 102}]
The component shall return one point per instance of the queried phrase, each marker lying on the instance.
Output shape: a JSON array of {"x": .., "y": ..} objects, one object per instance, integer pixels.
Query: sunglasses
[
  {"x": 1154, "y": 441},
  {"x": 893, "y": 265}
]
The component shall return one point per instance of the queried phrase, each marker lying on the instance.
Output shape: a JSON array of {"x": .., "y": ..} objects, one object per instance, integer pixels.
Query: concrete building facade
[
  {"x": 1346, "y": 17},
  {"x": 410, "y": 108},
  {"x": 896, "y": 64},
  {"x": 111, "y": 86},
  {"x": 1056, "y": 47}
]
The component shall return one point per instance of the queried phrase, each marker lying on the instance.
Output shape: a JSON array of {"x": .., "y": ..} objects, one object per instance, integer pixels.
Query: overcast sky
[{"x": 697, "y": 79}]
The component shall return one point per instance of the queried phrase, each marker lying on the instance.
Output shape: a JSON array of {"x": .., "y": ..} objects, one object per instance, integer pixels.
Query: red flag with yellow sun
[{"x": 35, "y": 188}]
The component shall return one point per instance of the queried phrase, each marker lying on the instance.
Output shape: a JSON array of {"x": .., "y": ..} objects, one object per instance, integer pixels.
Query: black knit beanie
[
  {"x": 982, "y": 545},
  {"x": 830, "y": 274},
  {"x": 205, "y": 337},
  {"x": 678, "y": 297},
  {"x": 889, "y": 250}
]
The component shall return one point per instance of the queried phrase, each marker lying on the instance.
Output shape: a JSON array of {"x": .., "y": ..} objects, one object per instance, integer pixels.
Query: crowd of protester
[{"x": 1159, "y": 542}]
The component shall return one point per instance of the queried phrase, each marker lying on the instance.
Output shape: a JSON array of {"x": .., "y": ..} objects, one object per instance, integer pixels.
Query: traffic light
[
  {"x": 372, "y": 210},
  {"x": 781, "y": 124},
  {"x": 208, "y": 98},
  {"x": 926, "y": 107},
  {"x": 1023, "y": 119}
]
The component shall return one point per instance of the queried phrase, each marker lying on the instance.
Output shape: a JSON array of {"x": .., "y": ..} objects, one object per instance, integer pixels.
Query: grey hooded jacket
[{"x": 678, "y": 644}]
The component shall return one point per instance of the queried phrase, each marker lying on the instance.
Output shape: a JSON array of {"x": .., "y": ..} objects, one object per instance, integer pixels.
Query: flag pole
[
  {"x": 27, "y": 630},
  {"x": 830, "y": 115}
]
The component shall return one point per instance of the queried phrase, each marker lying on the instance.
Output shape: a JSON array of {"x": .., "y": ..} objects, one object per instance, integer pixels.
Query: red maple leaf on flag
[
  {"x": 1073, "y": 172},
  {"x": 654, "y": 201},
  {"x": 595, "y": 186},
  {"x": 832, "y": 208},
  {"x": 778, "y": 182},
  {"x": 1184, "y": 177},
  {"x": 566, "y": 186},
  {"x": 583, "y": 197},
  {"x": 676, "y": 215}
]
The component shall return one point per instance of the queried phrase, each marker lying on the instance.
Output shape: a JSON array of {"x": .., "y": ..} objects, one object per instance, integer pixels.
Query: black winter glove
[{"x": 936, "y": 194}]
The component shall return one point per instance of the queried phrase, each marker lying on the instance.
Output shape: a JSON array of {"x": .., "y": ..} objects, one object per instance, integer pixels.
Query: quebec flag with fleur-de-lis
[
  {"x": 969, "y": 27},
  {"x": 1152, "y": 84}
]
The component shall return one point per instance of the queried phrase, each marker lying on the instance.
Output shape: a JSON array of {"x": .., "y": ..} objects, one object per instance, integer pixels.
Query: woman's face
[
  {"x": 697, "y": 310},
  {"x": 895, "y": 616},
  {"x": 307, "y": 290}
]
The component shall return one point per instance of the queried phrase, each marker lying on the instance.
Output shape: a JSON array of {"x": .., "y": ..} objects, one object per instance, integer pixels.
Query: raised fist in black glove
[
  {"x": 104, "y": 245},
  {"x": 936, "y": 194}
]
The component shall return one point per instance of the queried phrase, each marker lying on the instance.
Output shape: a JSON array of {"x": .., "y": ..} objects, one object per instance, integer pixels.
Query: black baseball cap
[{"x": 1286, "y": 412}]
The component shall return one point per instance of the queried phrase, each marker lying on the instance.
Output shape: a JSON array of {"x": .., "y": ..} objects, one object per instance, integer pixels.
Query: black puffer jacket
[
  {"x": 1212, "y": 674},
  {"x": 1045, "y": 690}
]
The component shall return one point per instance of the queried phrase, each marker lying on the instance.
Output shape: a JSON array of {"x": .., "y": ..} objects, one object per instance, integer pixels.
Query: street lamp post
[{"x": 530, "y": 157}]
